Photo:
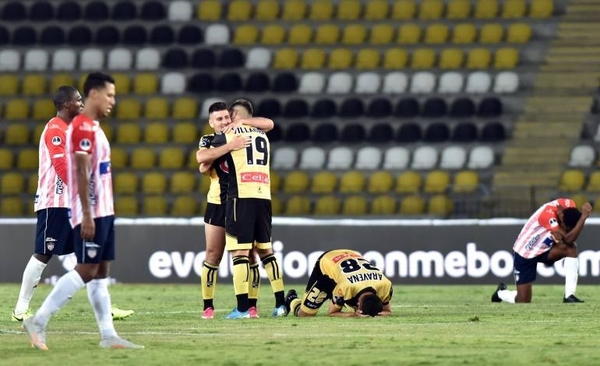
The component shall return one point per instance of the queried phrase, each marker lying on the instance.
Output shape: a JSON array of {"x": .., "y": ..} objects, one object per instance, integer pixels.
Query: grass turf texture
[{"x": 431, "y": 325}]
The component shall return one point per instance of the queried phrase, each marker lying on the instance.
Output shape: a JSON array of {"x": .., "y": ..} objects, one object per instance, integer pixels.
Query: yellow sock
[
  {"x": 241, "y": 274},
  {"x": 208, "y": 279},
  {"x": 295, "y": 306},
  {"x": 254, "y": 285},
  {"x": 275, "y": 275}
]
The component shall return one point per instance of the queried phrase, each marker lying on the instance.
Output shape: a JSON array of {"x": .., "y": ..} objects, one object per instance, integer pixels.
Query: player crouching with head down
[{"x": 347, "y": 279}]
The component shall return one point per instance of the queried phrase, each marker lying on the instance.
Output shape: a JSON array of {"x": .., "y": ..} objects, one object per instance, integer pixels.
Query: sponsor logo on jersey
[
  {"x": 85, "y": 144},
  {"x": 60, "y": 186},
  {"x": 255, "y": 177},
  {"x": 104, "y": 167},
  {"x": 56, "y": 141}
]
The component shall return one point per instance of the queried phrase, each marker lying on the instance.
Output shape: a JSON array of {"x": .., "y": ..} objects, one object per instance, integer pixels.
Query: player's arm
[
  {"x": 55, "y": 143},
  {"x": 205, "y": 168},
  {"x": 336, "y": 310},
  {"x": 265, "y": 124},
  {"x": 82, "y": 140},
  {"x": 572, "y": 235},
  {"x": 387, "y": 310},
  {"x": 208, "y": 155}
]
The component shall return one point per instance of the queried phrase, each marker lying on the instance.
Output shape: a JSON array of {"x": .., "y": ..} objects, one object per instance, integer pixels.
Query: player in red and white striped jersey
[{"x": 548, "y": 236}]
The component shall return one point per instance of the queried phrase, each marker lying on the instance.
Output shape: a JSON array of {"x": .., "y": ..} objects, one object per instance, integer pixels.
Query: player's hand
[
  {"x": 240, "y": 142},
  {"x": 586, "y": 209},
  {"x": 88, "y": 228}
]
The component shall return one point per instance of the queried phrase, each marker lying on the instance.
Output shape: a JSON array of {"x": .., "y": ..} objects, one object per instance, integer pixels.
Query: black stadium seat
[
  {"x": 437, "y": 132},
  {"x": 52, "y": 36},
  {"x": 380, "y": 133},
  {"x": 257, "y": 83},
  {"x": 41, "y": 11},
  {"x": 493, "y": 132},
  {"x": 434, "y": 108},
  {"x": 124, "y": 11},
  {"x": 153, "y": 10},
  {"x": 464, "y": 132},
  {"x": 201, "y": 83},
  {"x": 190, "y": 35},
  {"x": 353, "y": 133},
  {"x": 229, "y": 83},
  {"x": 269, "y": 108},
  {"x": 162, "y": 35},
  {"x": 323, "y": 108},
  {"x": 203, "y": 58},
  {"x": 96, "y": 11},
  {"x": 4, "y": 36},
  {"x": 351, "y": 108},
  {"x": 297, "y": 132},
  {"x": 107, "y": 36},
  {"x": 175, "y": 58},
  {"x": 285, "y": 82},
  {"x": 462, "y": 108},
  {"x": 134, "y": 35},
  {"x": 489, "y": 107},
  {"x": 79, "y": 36},
  {"x": 407, "y": 108},
  {"x": 379, "y": 108},
  {"x": 295, "y": 108},
  {"x": 68, "y": 11},
  {"x": 14, "y": 11},
  {"x": 231, "y": 58},
  {"x": 409, "y": 132},
  {"x": 24, "y": 36},
  {"x": 276, "y": 134},
  {"x": 325, "y": 133}
]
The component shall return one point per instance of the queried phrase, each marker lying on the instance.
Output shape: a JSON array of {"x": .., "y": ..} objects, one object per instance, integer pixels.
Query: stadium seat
[
  {"x": 349, "y": 10},
  {"x": 321, "y": 10},
  {"x": 431, "y": 9},
  {"x": 395, "y": 83},
  {"x": 11, "y": 206},
  {"x": 126, "y": 183},
  {"x": 381, "y": 133},
  {"x": 412, "y": 205},
  {"x": 339, "y": 83},
  {"x": 367, "y": 83},
  {"x": 506, "y": 58},
  {"x": 16, "y": 134},
  {"x": 156, "y": 133},
  {"x": 42, "y": 109},
  {"x": 246, "y": 34},
  {"x": 458, "y": 9},
  {"x": 184, "y": 133},
  {"x": 171, "y": 158},
  {"x": 383, "y": 205},
  {"x": 436, "y": 33},
  {"x": 12, "y": 183},
  {"x": 380, "y": 182},
  {"x": 266, "y": 10},
  {"x": 6, "y": 159},
  {"x": 440, "y": 205},
  {"x": 353, "y": 133},
  {"x": 32, "y": 183},
  {"x": 294, "y": 10},
  {"x": 161, "y": 35},
  {"x": 275, "y": 180},
  {"x": 297, "y": 206},
  {"x": 285, "y": 82},
  {"x": 300, "y": 34},
  {"x": 424, "y": 158},
  {"x": 173, "y": 83},
  {"x": 462, "y": 108},
  {"x": 465, "y": 181},
  {"x": 145, "y": 84},
  {"x": 376, "y": 10},
  {"x": 128, "y": 133},
  {"x": 10, "y": 60},
  {"x": 27, "y": 159},
  {"x": 423, "y": 82},
  {"x": 285, "y": 158},
  {"x": 209, "y": 10},
  {"x": 423, "y": 58},
  {"x": 395, "y": 58},
  {"x": 327, "y": 34},
  {"x": 63, "y": 60},
  {"x": 143, "y": 158},
  {"x": 181, "y": 10},
  {"x": 79, "y": 36},
  {"x": 314, "y": 58},
  {"x": 451, "y": 58},
  {"x": 403, "y": 10},
  {"x": 464, "y": 132},
  {"x": 259, "y": 58},
  {"x": 36, "y": 60},
  {"x": 272, "y": 34},
  {"x": 514, "y": 9},
  {"x": 354, "y": 34},
  {"x": 295, "y": 182},
  {"x": 593, "y": 185},
  {"x": 327, "y": 206},
  {"x": 119, "y": 59},
  {"x": 217, "y": 34},
  {"x": 409, "y": 181},
  {"x": 480, "y": 157},
  {"x": 506, "y": 82},
  {"x": 493, "y": 132},
  {"x": 541, "y": 9},
  {"x": 381, "y": 34},
  {"x": 368, "y": 158},
  {"x": 491, "y": 33},
  {"x": 9, "y": 85},
  {"x": 354, "y": 206},
  {"x": 478, "y": 58},
  {"x": 59, "y": 80},
  {"x": 478, "y": 82},
  {"x": 154, "y": 183},
  {"x": 186, "y": 108},
  {"x": 409, "y": 34},
  {"x": 367, "y": 59},
  {"x": 239, "y": 10},
  {"x": 518, "y": 33},
  {"x": 325, "y": 133},
  {"x": 154, "y": 206},
  {"x": 312, "y": 158},
  {"x": 340, "y": 59},
  {"x": 453, "y": 157},
  {"x": 311, "y": 83},
  {"x": 129, "y": 109},
  {"x": 436, "y": 181},
  {"x": 340, "y": 157},
  {"x": 323, "y": 182},
  {"x": 184, "y": 206},
  {"x": 582, "y": 156},
  {"x": 396, "y": 157},
  {"x": 147, "y": 59},
  {"x": 486, "y": 9},
  {"x": 464, "y": 33},
  {"x": 118, "y": 158},
  {"x": 450, "y": 82},
  {"x": 16, "y": 109},
  {"x": 572, "y": 180},
  {"x": 287, "y": 58}
]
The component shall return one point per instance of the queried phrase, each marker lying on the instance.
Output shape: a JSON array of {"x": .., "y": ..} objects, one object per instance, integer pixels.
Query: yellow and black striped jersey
[{"x": 217, "y": 191}]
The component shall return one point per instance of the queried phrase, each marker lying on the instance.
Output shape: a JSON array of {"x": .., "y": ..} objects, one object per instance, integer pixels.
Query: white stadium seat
[
  {"x": 395, "y": 83},
  {"x": 478, "y": 82},
  {"x": 180, "y": 10},
  {"x": 368, "y": 158},
  {"x": 453, "y": 157},
  {"x": 10, "y": 60},
  {"x": 120, "y": 59},
  {"x": 312, "y": 158},
  {"x": 451, "y": 82},
  {"x": 422, "y": 82},
  {"x": 285, "y": 158},
  {"x": 258, "y": 58},
  {"x": 340, "y": 158},
  {"x": 481, "y": 157},
  {"x": 582, "y": 156},
  {"x": 64, "y": 59},
  {"x": 91, "y": 59},
  {"x": 172, "y": 83},
  {"x": 217, "y": 34},
  {"x": 424, "y": 158},
  {"x": 396, "y": 157},
  {"x": 367, "y": 83},
  {"x": 36, "y": 60},
  {"x": 506, "y": 82},
  {"x": 311, "y": 83},
  {"x": 339, "y": 83},
  {"x": 147, "y": 59}
]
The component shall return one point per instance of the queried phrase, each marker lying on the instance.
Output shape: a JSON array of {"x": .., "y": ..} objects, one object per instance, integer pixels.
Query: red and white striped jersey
[
  {"x": 536, "y": 236},
  {"x": 84, "y": 136},
  {"x": 52, "y": 191}
]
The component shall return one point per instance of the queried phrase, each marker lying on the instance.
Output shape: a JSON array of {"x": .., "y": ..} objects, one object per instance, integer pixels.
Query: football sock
[
  {"x": 65, "y": 288},
  {"x": 208, "y": 279},
  {"x": 507, "y": 295},
  {"x": 31, "y": 277},
  {"x": 254, "y": 285},
  {"x": 99, "y": 297},
  {"x": 241, "y": 274},
  {"x": 275, "y": 276},
  {"x": 295, "y": 306},
  {"x": 571, "y": 275}
]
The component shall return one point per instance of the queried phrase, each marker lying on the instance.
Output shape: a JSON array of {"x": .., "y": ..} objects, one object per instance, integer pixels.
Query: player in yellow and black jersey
[{"x": 347, "y": 279}]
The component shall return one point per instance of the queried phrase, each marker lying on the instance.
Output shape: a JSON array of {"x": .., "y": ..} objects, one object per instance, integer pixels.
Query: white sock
[
  {"x": 63, "y": 291},
  {"x": 507, "y": 295},
  {"x": 571, "y": 275},
  {"x": 100, "y": 299},
  {"x": 31, "y": 277}
]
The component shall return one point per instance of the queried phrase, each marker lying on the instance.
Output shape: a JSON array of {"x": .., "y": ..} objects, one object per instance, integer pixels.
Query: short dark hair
[
  {"x": 218, "y": 106},
  {"x": 571, "y": 216},
  {"x": 96, "y": 80},
  {"x": 243, "y": 103},
  {"x": 371, "y": 305},
  {"x": 63, "y": 95}
]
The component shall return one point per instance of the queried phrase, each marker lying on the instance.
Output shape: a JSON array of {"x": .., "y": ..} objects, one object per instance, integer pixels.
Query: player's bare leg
[{"x": 215, "y": 246}]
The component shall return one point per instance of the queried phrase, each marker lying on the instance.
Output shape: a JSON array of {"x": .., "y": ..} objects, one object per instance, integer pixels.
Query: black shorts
[
  {"x": 215, "y": 214},
  {"x": 525, "y": 270},
  {"x": 319, "y": 288},
  {"x": 248, "y": 222},
  {"x": 53, "y": 233},
  {"x": 102, "y": 248}
]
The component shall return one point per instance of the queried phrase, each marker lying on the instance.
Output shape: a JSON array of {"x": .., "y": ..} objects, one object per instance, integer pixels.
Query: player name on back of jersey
[
  {"x": 248, "y": 129},
  {"x": 359, "y": 277}
]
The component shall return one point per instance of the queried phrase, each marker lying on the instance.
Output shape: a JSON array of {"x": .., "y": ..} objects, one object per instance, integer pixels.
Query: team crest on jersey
[
  {"x": 553, "y": 222},
  {"x": 85, "y": 144},
  {"x": 56, "y": 140}
]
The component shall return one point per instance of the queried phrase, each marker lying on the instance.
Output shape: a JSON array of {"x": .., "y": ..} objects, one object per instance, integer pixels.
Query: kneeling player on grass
[
  {"x": 347, "y": 279},
  {"x": 548, "y": 236}
]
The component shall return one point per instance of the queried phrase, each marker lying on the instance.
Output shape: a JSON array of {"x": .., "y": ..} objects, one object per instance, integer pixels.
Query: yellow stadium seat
[
  {"x": 58, "y": 80},
  {"x": 143, "y": 158},
  {"x": 183, "y": 182},
  {"x": 272, "y": 34},
  {"x": 300, "y": 34},
  {"x": 580, "y": 199},
  {"x": 464, "y": 33},
  {"x": 354, "y": 34},
  {"x": 126, "y": 206},
  {"x": 395, "y": 58},
  {"x": 403, "y": 10},
  {"x": 156, "y": 133},
  {"x": 118, "y": 158},
  {"x": 381, "y": 34},
  {"x": 412, "y": 205},
  {"x": 204, "y": 184},
  {"x": 32, "y": 183},
  {"x": 327, "y": 206},
  {"x": 518, "y": 33},
  {"x": 572, "y": 180},
  {"x": 352, "y": 182},
  {"x": 408, "y": 182},
  {"x": 466, "y": 182},
  {"x": 313, "y": 58},
  {"x": 423, "y": 58},
  {"x": 276, "y": 206},
  {"x": 156, "y": 108},
  {"x": 128, "y": 109},
  {"x": 185, "y": 108},
  {"x": 239, "y": 10},
  {"x": 154, "y": 183},
  {"x": 129, "y": 133},
  {"x": 34, "y": 85},
  {"x": 321, "y": 10},
  {"x": 377, "y": 9},
  {"x": 16, "y": 134},
  {"x": 11, "y": 207},
  {"x": 478, "y": 58},
  {"x": 12, "y": 183},
  {"x": 491, "y": 33},
  {"x": 349, "y": 10},
  {"x": 266, "y": 10},
  {"x": 380, "y": 182},
  {"x": 209, "y": 10},
  {"x": 154, "y": 206},
  {"x": 37, "y": 132},
  {"x": 513, "y": 9},
  {"x": 123, "y": 83},
  {"x": 108, "y": 131},
  {"x": 541, "y": 9},
  {"x": 297, "y": 206},
  {"x": 246, "y": 35},
  {"x": 27, "y": 159},
  {"x": 43, "y": 109},
  {"x": 458, "y": 9},
  {"x": 9, "y": 85},
  {"x": 594, "y": 182},
  {"x": 409, "y": 33},
  {"x": 171, "y": 158},
  {"x": 275, "y": 181},
  {"x": 451, "y": 58},
  {"x": 486, "y": 9},
  {"x": 340, "y": 59},
  {"x": 293, "y": 10},
  {"x": 440, "y": 205},
  {"x": 323, "y": 182},
  {"x": 431, "y": 9},
  {"x": 436, "y": 181},
  {"x": 506, "y": 58},
  {"x": 17, "y": 109},
  {"x": 184, "y": 206},
  {"x": 6, "y": 159},
  {"x": 185, "y": 133},
  {"x": 354, "y": 205},
  {"x": 126, "y": 183},
  {"x": 295, "y": 182},
  {"x": 383, "y": 205},
  {"x": 367, "y": 59},
  {"x": 285, "y": 58},
  {"x": 436, "y": 33},
  {"x": 327, "y": 34},
  {"x": 145, "y": 84}
]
